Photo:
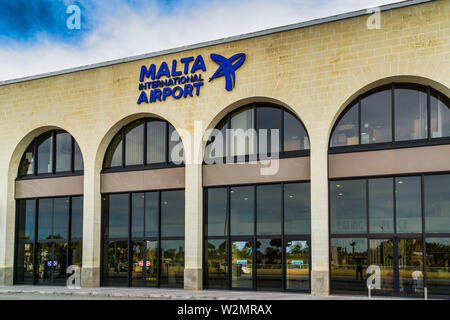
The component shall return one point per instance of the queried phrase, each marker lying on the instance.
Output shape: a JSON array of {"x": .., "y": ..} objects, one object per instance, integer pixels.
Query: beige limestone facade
[{"x": 315, "y": 70}]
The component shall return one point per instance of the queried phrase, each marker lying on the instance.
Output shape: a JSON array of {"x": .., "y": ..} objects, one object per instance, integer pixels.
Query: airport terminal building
[{"x": 289, "y": 159}]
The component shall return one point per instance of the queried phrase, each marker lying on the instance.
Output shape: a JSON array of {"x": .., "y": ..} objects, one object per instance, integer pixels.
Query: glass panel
[
  {"x": 241, "y": 264},
  {"x": 44, "y": 263},
  {"x": 269, "y": 130},
  {"x": 156, "y": 141},
  {"x": 151, "y": 214},
  {"x": 63, "y": 152},
  {"x": 297, "y": 265},
  {"x": 77, "y": 218},
  {"x": 268, "y": 264},
  {"x": 134, "y": 143},
  {"x": 346, "y": 131},
  {"x": 113, "y": 157},
  {"x": 59, "y": 264},
  {"x": 24, "y": 269},
  {"x": 116, "y": 215},
  {"x": 76, "y": 253},
  {"x": 78, "y": 158},
  {"x": 381, "y": 205},
  {"x": 172, "y": 263},
  {"x": 216, "y": 145},
  {"x": 26, "y": 219},
  {"x": 217, "y": 212},
  {"x": 382, "y": 255},
  {"x": 410, "y": 114},
  {"x": 295, "y": 136},
  {"x": 243, "y": 136},
  {"x": 348, "y": 206},
  {"x": 151, "y": 263},
  {"x": 268, "y": 212},
  {"x": 25, "y": 233},
  {"x": 61, "y": 218},
  {"x": 349, "y": 264},
  {"x": 172, "y": 213},
  {"x": 438, "y": 265},
  {"x": 27, "y": 162},
  {"x": 116, "y": 264},
  {"x": 137, "y": 271},
  {"x": 216, "y": 260},
  {"x": 137, "y": 215},
  {"x": 410, "y": 263},
  {"x": 45, "y": 153},
  {"x": 45, "y": 219},
  {"x": 376, "y": 117},
  {"x": 437, "y": 203},
  {"x": 297, "y": 208},
  {"x": 242, "y": 210},
  {"x": 176, "y": 149},
  {"x": 408, "y": 204},
  {"x": 440, "y": 116}
]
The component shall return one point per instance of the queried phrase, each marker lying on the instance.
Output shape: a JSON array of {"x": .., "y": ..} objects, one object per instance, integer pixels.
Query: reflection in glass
[
  {"x": 216, "y": 145},
  {"x": 410, "y": 114},
  {"x": 241, "y": 264},
  {"x": 382, "y": 255},
  {"x": 134, "y": 143},
  {"x": 437, "y": 203},
  {"x": 137, "y": 265},
  {"x": 172, "y": 213},
  {"x": 297, "y": 265},
  {"x": 113, "y": 157},
  {"x": 27, "y": 162},
  {"x": 25, "y": 241},
  {"x": 60, "y": 218},
  {"x": 410, "y": 264},
  {"x": 242, "y": 210},
  {"x": 151, "y": 263},
  {"x": 137, "y": 215},
  {"x": 156, "y": 141},
  {"x": 116, "y": 215},
  {"x": 348, "y": 206},
  {"x": 78, "y": 158},
  {"x": 268, "y": 264},
  {"x": 408, "y": 204},
  {"x": 268, "y": 209},
  {"x": 216, "y": 257},
  {"x": 151, "y": 214},
  {"x": 376, "y": 117},
  {"x": 349, "y": 264},
  {"x": 45, "y": 153},
  {"x": 172, "y": 263},
  {"x": 76, "y": 253},
  {"x": 346, "y": 131},
  {"x": 217, "y": 212},
  {"x": 44, "y": 263},
  {"x": 381, "y": 205},
  {"x": 440, "y": 116},
  {"x": 45, "y": 218},
  {"x": 59, "y": 267},
  {"x": 269, "y": 120},
  {"x": 116, "y": 264},
  {"x": 297, "y": 208},
  {"x": 438, "y": 266},
  {"x": 295, "y": 136},
  {"x": 176, "y": 149},
  {"x": 243, "y": 137},
  {"x": 63, "y": 151},
  {"x": 77, "y": 218}
]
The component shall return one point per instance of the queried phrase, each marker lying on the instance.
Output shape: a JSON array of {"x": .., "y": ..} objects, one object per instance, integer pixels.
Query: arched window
[
  {"x": 53, "y": 152},
  {"x": 399, "y": 114},
  {"x": 258, "y": 130},
  {"x": 146, "y": 143}
]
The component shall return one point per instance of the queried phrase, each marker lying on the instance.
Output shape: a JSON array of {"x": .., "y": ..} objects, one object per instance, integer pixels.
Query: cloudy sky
[{"x": 34, "y": 37}]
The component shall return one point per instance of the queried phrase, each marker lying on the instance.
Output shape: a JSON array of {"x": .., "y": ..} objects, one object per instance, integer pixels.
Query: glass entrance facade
[
  {"x": 257, "y": 237},
  {"x": 400, "y": 224},
  {"x": 143, "y": 239},
  {"x": 48, "y": 239}
]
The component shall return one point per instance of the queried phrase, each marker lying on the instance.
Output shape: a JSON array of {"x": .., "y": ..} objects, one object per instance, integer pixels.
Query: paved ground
[{"x": 63, "y": 293}]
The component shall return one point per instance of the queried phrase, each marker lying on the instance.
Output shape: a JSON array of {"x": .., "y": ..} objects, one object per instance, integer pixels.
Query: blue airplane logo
[{"x": 227, "y": 68}]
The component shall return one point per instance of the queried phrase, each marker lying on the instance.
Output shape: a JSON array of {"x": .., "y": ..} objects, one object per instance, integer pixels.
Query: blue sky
[{"x": 34, "y": 37}]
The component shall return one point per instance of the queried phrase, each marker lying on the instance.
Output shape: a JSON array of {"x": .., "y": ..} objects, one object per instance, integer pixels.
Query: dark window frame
[
  {"x": 54, "y": 173},
  {"x": 392, "y": 144},
  {"x": 255, "y": 106},
  {"x": 145, "y": 166}
]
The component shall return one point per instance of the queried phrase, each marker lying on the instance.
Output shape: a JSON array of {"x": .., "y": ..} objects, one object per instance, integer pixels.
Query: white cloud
[{"x": 122, "y": 32}]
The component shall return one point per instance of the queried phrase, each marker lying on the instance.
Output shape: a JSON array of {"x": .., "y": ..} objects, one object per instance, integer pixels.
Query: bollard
[{"x": 425, "y": 293}]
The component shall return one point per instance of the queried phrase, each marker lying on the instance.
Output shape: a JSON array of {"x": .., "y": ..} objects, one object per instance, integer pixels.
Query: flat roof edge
[{"x": 245, "y": 36}]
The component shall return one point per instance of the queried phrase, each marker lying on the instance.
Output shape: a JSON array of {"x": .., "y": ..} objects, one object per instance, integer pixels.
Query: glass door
[
  {"x": 297, "y": 265},
  {"x": 410, "y": 267},
  {"x": 151, "y": 263},
  {"x": 241, "y": 264},
  {"x": 382, "y": 255},
  {"x": 59, "y": 263},
  {"x": 52, "y": 263}
]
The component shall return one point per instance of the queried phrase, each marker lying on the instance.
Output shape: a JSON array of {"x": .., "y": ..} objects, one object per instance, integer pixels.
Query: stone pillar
[
  {"x": 90, "y": 271},
  {"x": 7, "y": 229},
  {"x": 320, "y": 270},
  {"x": 193, "y": 269}
]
